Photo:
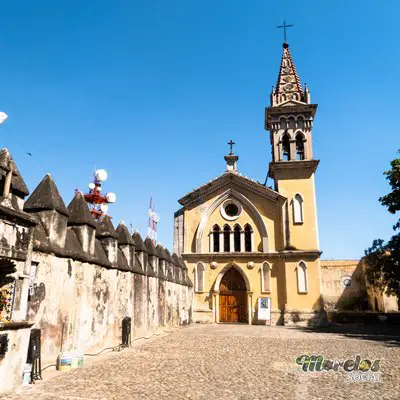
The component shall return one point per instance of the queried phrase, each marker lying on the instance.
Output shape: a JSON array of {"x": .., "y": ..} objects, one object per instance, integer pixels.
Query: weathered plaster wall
[
  {"x": 12, "y": 367},
  {"x": 81, "y": 306},
  {"x": 343, "y": 285}
]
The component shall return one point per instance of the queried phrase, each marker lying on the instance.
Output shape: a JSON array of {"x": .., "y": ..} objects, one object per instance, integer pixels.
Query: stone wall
[
  {"x": 76, "y": 278},
  {"x": 343, "y": 285},
  {"x": 79, "y": 305}
]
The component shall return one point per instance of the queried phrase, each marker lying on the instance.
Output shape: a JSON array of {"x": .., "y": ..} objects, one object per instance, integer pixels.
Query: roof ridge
[{"x": 233, "y": 177}]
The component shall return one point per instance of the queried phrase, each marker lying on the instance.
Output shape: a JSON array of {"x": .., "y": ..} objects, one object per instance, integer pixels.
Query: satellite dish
[
  {"x": 104, "y": 207},
  {"x": 111, "y": 197},
  {"x": 3, "y": 117},
  {"x": 101, "y": 174},
  {"x": 92, "y": 185}
]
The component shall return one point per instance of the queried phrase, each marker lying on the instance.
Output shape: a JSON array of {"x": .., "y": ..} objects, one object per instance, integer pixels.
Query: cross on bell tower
[{"x": 284, "y": 26}]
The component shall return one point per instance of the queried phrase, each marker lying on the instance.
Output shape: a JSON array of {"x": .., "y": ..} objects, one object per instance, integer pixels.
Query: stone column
[
  {"x": 214, "y": 309},
  {"x": 211, "y": 242},
  {"x": 217, "y": 308},
  {"x": 250, "y": 306},
  {"x": 252, "y": 241},
  {"x": 221, "y": 241},
  {"x": 293, "y": 153},
  {"x": 279, "y": 158},
  {"x": 232, "y": 241},
  {"x": 242, "y": 246},
  {"x": 306, "y": 150}
]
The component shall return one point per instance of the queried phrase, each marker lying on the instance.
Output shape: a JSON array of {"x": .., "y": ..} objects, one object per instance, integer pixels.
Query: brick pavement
[{"x": 230, "y": 362}]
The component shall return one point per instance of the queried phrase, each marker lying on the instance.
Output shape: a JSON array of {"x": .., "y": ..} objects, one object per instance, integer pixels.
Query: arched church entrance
[{"x": 233, "y": 297}]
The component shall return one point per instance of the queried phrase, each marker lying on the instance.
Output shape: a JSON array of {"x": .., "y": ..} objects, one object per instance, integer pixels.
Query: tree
[{"x": 383, "y": 259}]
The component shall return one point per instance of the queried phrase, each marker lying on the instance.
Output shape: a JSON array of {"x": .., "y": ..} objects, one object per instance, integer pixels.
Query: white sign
[{"x": 264, "y": 308}]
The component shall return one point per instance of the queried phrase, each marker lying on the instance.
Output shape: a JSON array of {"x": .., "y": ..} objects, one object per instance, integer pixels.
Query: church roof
[
  {"x": 17, "y": 183},
  {"x": 46, "y": 197},
  {"x": 79, "y": 213},
  {"x": 226, "y": 179},
  {"x": 288, "y": 81},
  {"x": 105, "y": 228},
  {"x": 124, "y": 237}
]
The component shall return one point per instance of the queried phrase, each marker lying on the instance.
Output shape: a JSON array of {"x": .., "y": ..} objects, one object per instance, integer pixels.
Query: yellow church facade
[{"x": 253, "y": 251}]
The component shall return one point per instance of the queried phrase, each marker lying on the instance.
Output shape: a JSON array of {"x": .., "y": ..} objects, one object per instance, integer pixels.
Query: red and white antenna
[
  {"x": 98, "y": 203},
  {"x": 153, "y": 221}
]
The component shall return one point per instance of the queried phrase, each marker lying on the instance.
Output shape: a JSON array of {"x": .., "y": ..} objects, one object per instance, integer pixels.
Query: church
[{"x": 243, "y": 241}]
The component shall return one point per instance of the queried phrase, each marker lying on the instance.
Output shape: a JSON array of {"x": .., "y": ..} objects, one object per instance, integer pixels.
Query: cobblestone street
[{"x": 230, "y": 362}]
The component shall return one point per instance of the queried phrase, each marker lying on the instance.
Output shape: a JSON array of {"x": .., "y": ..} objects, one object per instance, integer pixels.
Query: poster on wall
[{"x": 264, "y": 309}]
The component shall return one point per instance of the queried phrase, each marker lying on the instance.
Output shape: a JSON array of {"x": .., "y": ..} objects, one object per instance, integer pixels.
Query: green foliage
[
  {"x": 392, "y": 199},
  {"x": 383, "y": 259}
]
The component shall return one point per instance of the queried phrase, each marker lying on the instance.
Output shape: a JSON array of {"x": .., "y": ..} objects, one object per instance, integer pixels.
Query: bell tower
[{"x": 289, "y": 119}]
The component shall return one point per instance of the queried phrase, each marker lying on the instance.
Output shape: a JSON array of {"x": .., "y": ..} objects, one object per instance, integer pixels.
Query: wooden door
[
  {"x": 232, "y": 307},
  {"x": 233, "y": 297}
]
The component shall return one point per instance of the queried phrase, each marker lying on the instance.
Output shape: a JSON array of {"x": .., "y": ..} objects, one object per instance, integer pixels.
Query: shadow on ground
[{"x": 388, "y": 334}]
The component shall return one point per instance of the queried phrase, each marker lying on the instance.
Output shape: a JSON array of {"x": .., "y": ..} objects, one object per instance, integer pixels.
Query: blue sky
[{"x": 152, "y": 91}]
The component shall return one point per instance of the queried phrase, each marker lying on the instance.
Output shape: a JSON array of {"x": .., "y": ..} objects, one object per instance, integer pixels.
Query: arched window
[
  {"x": 266, "y": 278},
  {"x": 285, "y": 147},
  {"x": 299, "y": 146},
  {"x": 300, "y": 122},
  {"x": 298, "y": 217},
  {"x": 216, "y": 234},
  {"x": 302, "y": 284},
  {"x": 292, "y": 124},
  {"x": 199, "y": 277},
  {"x": 248, "y": 233},
  {"x": 236, "y": 238},
  {"x": 227, "y": 238},
  {"x": 283, "y": 124},
  {"x": 283, "y": 98},
  {"x": 295, "y": 96}
]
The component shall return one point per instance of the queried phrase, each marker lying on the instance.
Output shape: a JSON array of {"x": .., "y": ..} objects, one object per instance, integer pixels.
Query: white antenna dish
[
  {"x": 111, "y": 197},
  {"x": 91, "y": 185},
  {"x": 3, "y": 117},
  {"x": 104, "y": 207},
  {"x": 101, "y": 174}
]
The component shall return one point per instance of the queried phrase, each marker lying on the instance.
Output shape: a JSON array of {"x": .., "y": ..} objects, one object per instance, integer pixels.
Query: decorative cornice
[
  {"x": 231, "y": 257},
  {"x": 308, "y": 166},
  {"x": 289, "y": 108},
  {"x": 196, "y": 196}
]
